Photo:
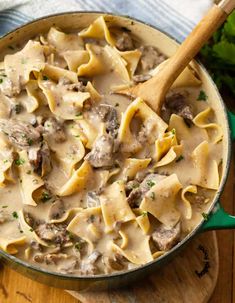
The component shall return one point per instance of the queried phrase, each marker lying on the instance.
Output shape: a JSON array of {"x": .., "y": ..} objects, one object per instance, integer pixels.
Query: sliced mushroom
[{"x": 21, "y": 134}]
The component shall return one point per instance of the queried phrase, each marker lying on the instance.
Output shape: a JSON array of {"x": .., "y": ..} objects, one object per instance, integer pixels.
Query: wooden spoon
[{"x": 154, "y": 90}]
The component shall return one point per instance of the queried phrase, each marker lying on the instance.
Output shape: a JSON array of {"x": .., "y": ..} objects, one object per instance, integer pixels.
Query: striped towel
[{"x": 176, "y": 17}]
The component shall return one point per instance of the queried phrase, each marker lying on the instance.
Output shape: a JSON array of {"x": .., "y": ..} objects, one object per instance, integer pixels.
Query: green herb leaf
[
  {"x": 15, "y": 215},
  {"x": 202, "y": 96},
  {"x": 45, "y": 78},
  {"x": 17, "y": 108},
  {"x": 19, "y": 162},
  {"x": 145, "y": 213},
  {"x": 45, "y": 196},
  {"x": 205, "y": 216},
  {"x": 179, "y": 159},
  {"x": 150, "y": 183},
  {"x": 4, "y": 206},
  {"x": 1, "y": 80}
]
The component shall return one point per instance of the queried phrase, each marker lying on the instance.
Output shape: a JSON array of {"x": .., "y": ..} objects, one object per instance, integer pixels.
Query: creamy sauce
[{"x": 88, "y": 206}]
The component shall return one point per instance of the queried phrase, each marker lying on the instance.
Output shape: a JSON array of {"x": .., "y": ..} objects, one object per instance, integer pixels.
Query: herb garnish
[
  {"x": 17, "y": 108},
  {"x": 117, "y": 104},
  {"x": 145, "y": 213},
  {"x": 1, "y": 80},
  {"x": 19, "y": 162},
  {"x": 45, "y": 196},
  {"x": 152, "y": 195},
  {"x": 173, "y": 131},
  {"x": 202, "y": 96},
  {"x": 205, "y": 216},
  {"x": 150, "y": 183},
  {"x": 78, "y": 246},
  {"x": 15, "y": 215},
  {"x": 179, "y": 159},
  {"x": 79, "y": 114},
  {"x": 30, "y": 141},
  {"x": 4, "y": 206},
  {"x": 45, "y": 78}
]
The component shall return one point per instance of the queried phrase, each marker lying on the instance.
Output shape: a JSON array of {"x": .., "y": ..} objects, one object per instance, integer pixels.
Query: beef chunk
[
  {"x": 92, "y": 199},
  {"x": 108, "y": 114},
  {"x": 150, "y": 58},
  {"x": 176, "y": 104},
  {"x": 21, "y": 134},
  {"x": 118, "y": 262},
  {"x": 89, "y": 266},
  {"x": 165, "y": 238},
  {"x": 124, "y": 42},
  {"x": 56, "y": 210},
  {"x": 101, "y": 154},
  {"x": 54, "y": 128},
  {"x": 55, "y": 233},
  {"x": 137, "y": 194},
  {"x": 40, "y": 158}
]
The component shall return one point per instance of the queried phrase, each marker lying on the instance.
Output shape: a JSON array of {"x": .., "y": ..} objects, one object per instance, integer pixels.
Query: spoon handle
[{"x": 193, "y": 43}]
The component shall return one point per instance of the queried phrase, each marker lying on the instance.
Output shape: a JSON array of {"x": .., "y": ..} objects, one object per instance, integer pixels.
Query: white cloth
[{"x": 176, "y": 17}]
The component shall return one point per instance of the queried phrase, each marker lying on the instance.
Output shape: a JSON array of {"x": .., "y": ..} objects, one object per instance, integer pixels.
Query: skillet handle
[
  {"x": 218, "y": 219},
  {"x": 231, "y": 118}
]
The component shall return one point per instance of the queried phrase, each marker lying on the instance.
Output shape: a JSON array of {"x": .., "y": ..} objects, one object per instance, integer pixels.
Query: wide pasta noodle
[
  {"x": 150, "y": 119},
  {"x": 63, "y": 42},
  {"x": 201, "y": 121},
  {"x": 30, "y": 58},
  {"x": 10, "y": 244},
  {"x": 94, "y": 66},
  {"x": 77, "y": 181},
  {"x": 160, "y": 200},
  {"x": 136, "y": 244},
  {"x": 132, "y": 166},
  {"x": 30, "y": 182},
  {"x": 112, "y": 211},
  {"x": 99, "y": 30},
  {"x": 187, "y": 205},
  {"x": 206, "y": 174}
]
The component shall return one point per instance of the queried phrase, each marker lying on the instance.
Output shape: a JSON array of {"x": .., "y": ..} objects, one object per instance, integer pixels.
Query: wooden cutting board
[{"x": 190, "y": 277}]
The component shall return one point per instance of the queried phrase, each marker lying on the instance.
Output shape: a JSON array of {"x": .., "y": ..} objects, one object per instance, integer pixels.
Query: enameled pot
[{"x": 217, "y": 218}]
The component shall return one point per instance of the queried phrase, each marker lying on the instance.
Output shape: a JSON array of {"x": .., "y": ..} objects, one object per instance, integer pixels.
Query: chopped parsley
[
  {"x": 4, "y": 206},
  {"x": 205, "y": 216},
  {"x": 179, "y": 159},
  {"x": 19, "y": 162},
  {"x": 135, "y": 185},
  {"x": 202, "y": 96},
  {"x": 145, "y": 213},
  {"x": 150, "y": 183},
  {"x": 117, "y": 104},
  {"x": 173, "y": 131},
  {"x": 45, "y": 78},
  {"x": 71, "y": 236},
  {"x": 1, "y": 80},
  {"x": 152, "y": 195},
  {"x": 30, "y": 141},
  {"x": 31, "y": 230},
  {"x": 17, "y": 108},
  {"x": 28, "y": 172},
  {"x": 77, "y": 136},
  {"x": 5, "y": 161},
  {"x": 78, "y": 246},
  {"x": 45, "y": 196},
  {"x": 79, "y": 114},
  {"x": 15, "y": 215}
]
